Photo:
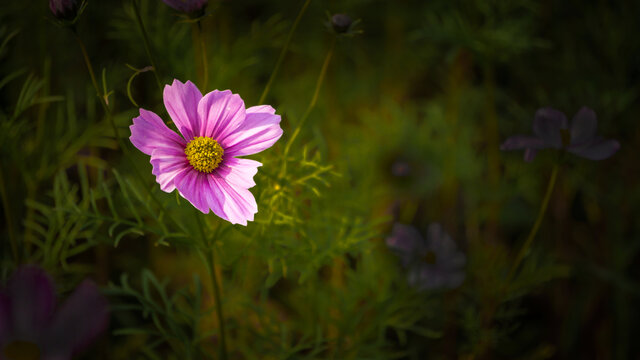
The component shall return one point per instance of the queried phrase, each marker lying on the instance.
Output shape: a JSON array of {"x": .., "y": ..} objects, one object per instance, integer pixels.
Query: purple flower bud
[
  {"x": 187, "y": 6},
  {"x": 552, "y": 131},
  {"x": 65, "y": 9},
  {"x": 341, "y": 23}
]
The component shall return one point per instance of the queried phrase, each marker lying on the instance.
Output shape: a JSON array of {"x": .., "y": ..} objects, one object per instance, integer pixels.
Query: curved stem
[
  {"x": 147, "y": 43},
  {"x": 536, "y": 225},
  {"x": 312, "y": 104},
  {"x": 283, "y": 52},
  {"x": 209, "y": 257}
]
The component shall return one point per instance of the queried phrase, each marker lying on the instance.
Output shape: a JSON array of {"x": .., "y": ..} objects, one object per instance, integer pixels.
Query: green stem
[
  {"x": 91, "y": 72},
  {"x": 9, "y": 219},
  {"x": 536, "y": 225},
  {"x": 147, "y": 43},
  {"x": 312, "y": 104},
  {"x": 283, "y": 52},
  {"x": 205, "y": 62},
  {"x": 121, "y": 143},
  {"x": 209, "y": 257}
]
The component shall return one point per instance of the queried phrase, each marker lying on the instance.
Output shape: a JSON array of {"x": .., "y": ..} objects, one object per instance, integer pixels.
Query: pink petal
[
  {"x": 239, "y": 205},
  {"x": 239, "y": 172},
  {"x": 32, "y": 298},
  {"x": 181, "y": 101},
  {"x": 78, "y": 322},
  {"x": 583, "y": 126},
  {"x": 220, "y": 113},
  {"x": 194, "y": 186},
  {"x": 259, "y": 131},
  {"x": 168, "y": 163},
  {"x": 211, "y": 192},
  {"x": 547, "y": 124},
  {"x": 148, "y": 132}
]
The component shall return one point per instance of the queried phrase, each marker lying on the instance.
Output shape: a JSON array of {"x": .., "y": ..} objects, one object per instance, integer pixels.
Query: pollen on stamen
[{"x": 204, "y": 154}]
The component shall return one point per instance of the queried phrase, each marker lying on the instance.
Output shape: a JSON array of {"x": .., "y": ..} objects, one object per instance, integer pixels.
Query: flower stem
[
  {"x": 92, "y": 74},
  {"x": 9, "y": 219},
  {"x": 119, "y": 140},
  {"x": 312, "y": 104},
  {"x": 203, "y": 53},
  {"x": 536, "y": 225},
  {"x": 147, "y": 43},
  {"x": 209, "y": 257},
  {"x": 283, "y": 52}
]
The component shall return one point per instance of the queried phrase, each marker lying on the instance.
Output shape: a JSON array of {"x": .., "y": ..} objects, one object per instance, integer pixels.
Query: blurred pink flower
[
  {"x": 32, "y": 328},
  {"x": 202, "y": 163}
]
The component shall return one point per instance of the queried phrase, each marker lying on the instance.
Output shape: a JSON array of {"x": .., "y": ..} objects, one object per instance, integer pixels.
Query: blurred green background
[{"x": 432, "y": 87}]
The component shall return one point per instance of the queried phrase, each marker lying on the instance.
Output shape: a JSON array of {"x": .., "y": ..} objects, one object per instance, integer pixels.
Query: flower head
[
  {"x": 552, "y": 131},
  {"x": 187, "y": 6},
  {"x": 32, "y": 328},
  {"x": 341, "y": 22},
  {"x": 202, "y": 163},
  {"x": 342, "y": 25},
  {"x": 431, "y": 264},
  {"x": 65, "y": 9}
]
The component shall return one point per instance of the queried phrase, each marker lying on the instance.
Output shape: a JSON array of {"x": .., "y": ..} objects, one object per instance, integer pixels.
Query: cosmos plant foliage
[{"x": 331, "y": 204}]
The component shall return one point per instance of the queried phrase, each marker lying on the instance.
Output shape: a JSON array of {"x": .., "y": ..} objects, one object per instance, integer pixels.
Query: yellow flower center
[
  {"x": 204, "y": 154},
  {"x": 21, "y": 350}
]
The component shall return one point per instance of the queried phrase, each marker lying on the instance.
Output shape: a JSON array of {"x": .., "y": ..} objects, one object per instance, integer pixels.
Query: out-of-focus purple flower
[
  {"x": 552, "y": 131},
  {"x": 31, "y": 327},
  {"x": 431, "y": 264},
  {"x": 187, "y": 6},
  {"x": 202, "y": 163},
  {"x": 65, "y": 9}
]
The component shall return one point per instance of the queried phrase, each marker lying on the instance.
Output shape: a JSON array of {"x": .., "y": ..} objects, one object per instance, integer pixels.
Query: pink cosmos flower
[{"x": 202, "y": 163}]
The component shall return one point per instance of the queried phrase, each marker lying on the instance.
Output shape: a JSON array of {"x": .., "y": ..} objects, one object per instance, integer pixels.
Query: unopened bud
[
  {"x": 65, "y": 9},
  {"x": 341, "y": 23}
]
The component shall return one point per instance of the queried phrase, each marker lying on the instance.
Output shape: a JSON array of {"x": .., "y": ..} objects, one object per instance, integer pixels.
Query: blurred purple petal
[
  {"x": 405, "y": 238},
  {"x": 78, "y": 322},
  {"x": 583, "y": 126},
  {"x": 547, "y": 124},
  {"x": 530, "y": 154},
  {"x": 32, "y": 298},
  {"x": 599, "y": 149},
  {"x": 5, "y": 323},
  {"x": 519, "y": 142},
  {"x": 187, "y": 6}
]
